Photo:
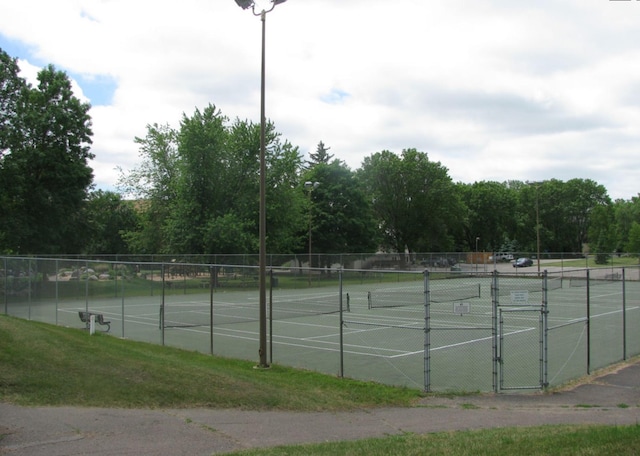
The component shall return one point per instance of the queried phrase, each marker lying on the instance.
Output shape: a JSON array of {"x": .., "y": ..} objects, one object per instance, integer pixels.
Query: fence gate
[{"x": 521, "y": 343}]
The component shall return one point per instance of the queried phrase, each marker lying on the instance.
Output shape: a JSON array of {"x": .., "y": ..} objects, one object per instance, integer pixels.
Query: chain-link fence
[{"x": 436, "y": 329}]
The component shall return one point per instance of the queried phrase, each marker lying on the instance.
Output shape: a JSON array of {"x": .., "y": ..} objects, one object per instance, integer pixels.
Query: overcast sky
[{"x": 491, "y": 89}]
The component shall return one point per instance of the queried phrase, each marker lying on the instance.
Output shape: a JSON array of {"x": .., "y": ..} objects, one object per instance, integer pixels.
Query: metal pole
[
  {"x": 545, "y": 332},
  {"x": 212, "y": 275},
  {"x": 271, "y": 314},
  {"x": 624, "y": 315},
  {"x": 263, "y": 213},
  {"x": 162, "y": 305},
  {"x": 494, "y": 328},
  {"x": 123, "y": 281},
  {"x": 6, "y": 286},
  {"x": 427, "y": 333},
  {"x": 588, "y": 325},
  {"x": 538, "y": 230},
  {"x": 341, "y": 326}
]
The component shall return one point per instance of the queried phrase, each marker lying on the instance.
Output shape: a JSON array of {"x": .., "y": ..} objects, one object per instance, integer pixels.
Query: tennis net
[
  {"x": 416, "y": 297},
  {"x": 193, "y": 314}
]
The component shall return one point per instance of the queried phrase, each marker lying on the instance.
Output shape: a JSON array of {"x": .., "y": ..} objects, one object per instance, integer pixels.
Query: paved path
[{"x": 613, "y": 399}]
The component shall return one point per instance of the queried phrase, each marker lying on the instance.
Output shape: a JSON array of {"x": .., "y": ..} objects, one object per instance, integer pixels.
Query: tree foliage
[
  {"x": 109, "y": 218},
  {"x": 339, "y": 217},
  {"x": 414, "y": 201},
  {"x": 44, "y": 171},
  {"x": 321, "y": 156},
  {"x": 200, "y": 184}
]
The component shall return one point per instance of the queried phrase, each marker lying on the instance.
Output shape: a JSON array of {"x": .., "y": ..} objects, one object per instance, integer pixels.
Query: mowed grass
[
  {"x": 536, "y": 441},
  {"x": 42, "y": 364}
]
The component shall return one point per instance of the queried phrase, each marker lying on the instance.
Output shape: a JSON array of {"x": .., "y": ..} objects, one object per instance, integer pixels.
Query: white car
[{"x": 501, "y": 257}]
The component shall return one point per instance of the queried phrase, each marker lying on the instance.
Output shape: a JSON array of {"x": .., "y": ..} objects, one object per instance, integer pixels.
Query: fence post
[
  {"x": 341, "y": 324},
  {"x": 211, "y": 285},
  {"x": 588, "y": 323},
  {"x": 162, "y": 305},
  {"x": 495, "y": 291},
  {"x": 123, "y": 291},
  {"x": 86, "y": 286},
  {"x": 57, "y": 268},
  {"x": 544, "y": 349},
  {"x": 270, "y": 316},
  {"x": 6, "y": 287},
  {"x": 427, "y": 333},
  {"x": 624, "y": 315}
]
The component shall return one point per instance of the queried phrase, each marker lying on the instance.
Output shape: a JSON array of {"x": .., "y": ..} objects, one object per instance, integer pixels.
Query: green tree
[
  {"x": 339, "y": 214},
  {"x": 625, "y": 213},
  {"x": 45, "y": 174},
  {"x": 322, "y": 155},
  {"x": 633, "y": 245},
  {"x": 414, "y": 201},
  {"x": 490, "y": 209},
  {"x": 201, "y": 191},
  {"x": 199, "y": 187},
  {"x": 109, "y": 217},
  {"x": 564, "y": 210},
  {"x": 12, "y": 98},
  {"x": 602, "y": 233},
  {"x": 153, "y": 183}
]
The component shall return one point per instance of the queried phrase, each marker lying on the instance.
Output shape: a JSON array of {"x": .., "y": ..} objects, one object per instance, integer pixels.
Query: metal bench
[{"x": 85, "y": 317}]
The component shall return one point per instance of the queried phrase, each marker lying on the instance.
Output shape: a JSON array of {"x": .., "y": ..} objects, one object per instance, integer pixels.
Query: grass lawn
[{"x": 42, "y": 364}]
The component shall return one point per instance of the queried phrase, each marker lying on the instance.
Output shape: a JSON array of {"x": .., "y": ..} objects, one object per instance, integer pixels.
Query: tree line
[{"x": 196, "y": 191}]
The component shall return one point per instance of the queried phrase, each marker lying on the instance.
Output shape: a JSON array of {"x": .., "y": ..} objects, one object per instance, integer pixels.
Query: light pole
[
  {"x": 262, "y": 261},
  {"x": 310, "y": 186},
  {"x": 476, "y": 259}
]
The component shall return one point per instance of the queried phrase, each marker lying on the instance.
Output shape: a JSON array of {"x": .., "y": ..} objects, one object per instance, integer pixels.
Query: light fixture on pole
[
  {"x": 262, "y": 261},
  {"x": 310, "y": 186}
]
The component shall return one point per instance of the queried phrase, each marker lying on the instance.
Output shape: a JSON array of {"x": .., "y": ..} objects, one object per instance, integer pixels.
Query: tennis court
[{"x": 462, "y": 332}]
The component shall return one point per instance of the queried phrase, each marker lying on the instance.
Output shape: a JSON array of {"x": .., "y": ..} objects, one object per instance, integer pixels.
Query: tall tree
[
  {"x": 200, "y": 187},
  {"x": 154, "y": 184},
  {"x": 339, "y": 215},
  {"x": 415, "y": 202},
  {"x": 625, "y": 213},
  {"x": 322, "y": 155},
  {"x": 12, "y": 88},
  {"x": 109, "y": 219},
  {"x": 45, "y": 174},
  {"x": 489, "y": 207}
]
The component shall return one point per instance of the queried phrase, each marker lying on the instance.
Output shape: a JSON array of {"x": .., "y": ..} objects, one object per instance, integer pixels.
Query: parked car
[
  {"x": 506, "y": 257},
  {"x": 522, "y": 263}
]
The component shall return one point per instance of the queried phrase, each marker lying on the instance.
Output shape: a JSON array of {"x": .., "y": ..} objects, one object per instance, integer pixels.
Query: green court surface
[{"x": 472, "y": 336}]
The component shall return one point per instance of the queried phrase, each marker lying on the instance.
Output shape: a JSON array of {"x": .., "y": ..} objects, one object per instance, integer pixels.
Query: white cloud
[{"x": 492, "y": 89}]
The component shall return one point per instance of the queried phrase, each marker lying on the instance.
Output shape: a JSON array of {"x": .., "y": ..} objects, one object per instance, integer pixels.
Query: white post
[{"x": 92, "y": 324}]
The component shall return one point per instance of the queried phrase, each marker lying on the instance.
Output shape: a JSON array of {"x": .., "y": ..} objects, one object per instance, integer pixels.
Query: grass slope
[{"x": 42, "y": 364}]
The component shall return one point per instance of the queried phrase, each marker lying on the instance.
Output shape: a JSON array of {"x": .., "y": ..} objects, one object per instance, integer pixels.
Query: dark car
[{"x": 522, "y": 263}]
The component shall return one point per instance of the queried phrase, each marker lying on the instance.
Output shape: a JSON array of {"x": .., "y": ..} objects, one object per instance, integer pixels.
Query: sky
[{"x": 494, "y": 90}]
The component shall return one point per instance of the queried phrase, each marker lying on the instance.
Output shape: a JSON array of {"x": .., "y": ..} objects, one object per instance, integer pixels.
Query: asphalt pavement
[{"x": 612, "y": 399}]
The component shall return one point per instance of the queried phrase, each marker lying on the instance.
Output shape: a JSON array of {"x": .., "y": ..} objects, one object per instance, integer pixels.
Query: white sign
[
  {"x": 461, "y": 308},
  {"x": 520, "y": 297}
]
